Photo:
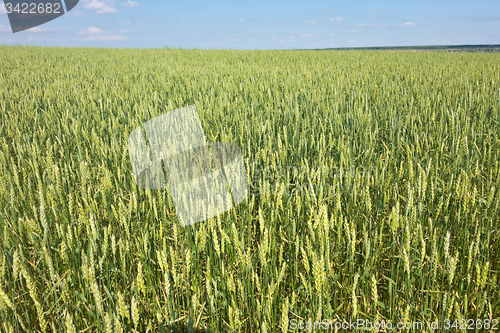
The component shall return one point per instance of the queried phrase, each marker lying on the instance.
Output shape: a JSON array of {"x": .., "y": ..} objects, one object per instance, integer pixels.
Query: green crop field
[{"x": 374, "y": 191}]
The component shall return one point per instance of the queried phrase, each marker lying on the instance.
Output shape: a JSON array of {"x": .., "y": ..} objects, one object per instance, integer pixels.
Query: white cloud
[
  {"x": 232, "y": 39},
  {"x": 91, "y": 31},
  {"x": 308, "y": 35},
  {"x": 4, "y": 28},
  {"x": 124, "y": 22},
  {"x": 409, "y": 24},
  {"x": 100, "y": 7},
  {"x": 95, "y": 4},
  {"x": 2, "y": 9},
  {"x": 241, "y": 20},
  {"x": 183, "y": 20},
  {"x": 351, "y": 30},
  {"x": 332, "y": 35},
  {"x": 352, "y": 41},
  {"x": 489, "y": 18},
  {"x": 37, "y": 30},
  {"x": 131, "y": 4},
  {"x": 335, "y": 19},
  {"x": 275, "y": 38},
  {"x": 107, "y": 10},
  {"x": 124, "y": 31},
  {"x": 77, "y": 13},
  {"x": 252, "y": 39},
  {"x": 310, "y": 22},
  {"x": 289, "y": 39},
  {"x": 104, "y": 38},
  {"x": 374, "y": 25}
]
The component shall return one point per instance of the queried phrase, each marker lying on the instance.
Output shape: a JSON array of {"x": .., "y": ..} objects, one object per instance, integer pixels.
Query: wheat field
[{"x": 373, "y": 190}]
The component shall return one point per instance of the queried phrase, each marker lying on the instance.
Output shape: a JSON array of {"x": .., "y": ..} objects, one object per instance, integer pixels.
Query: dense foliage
[{"x": 373, "y": 175}]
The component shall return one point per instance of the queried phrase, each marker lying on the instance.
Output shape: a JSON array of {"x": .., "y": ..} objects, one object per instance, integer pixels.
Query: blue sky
[{"x": 264, "y": 24}]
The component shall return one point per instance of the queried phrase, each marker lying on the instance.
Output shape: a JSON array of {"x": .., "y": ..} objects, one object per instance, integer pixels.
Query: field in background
[
  {"x": 449, "y": 48},
  {"x": 374, "y": 190}
]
